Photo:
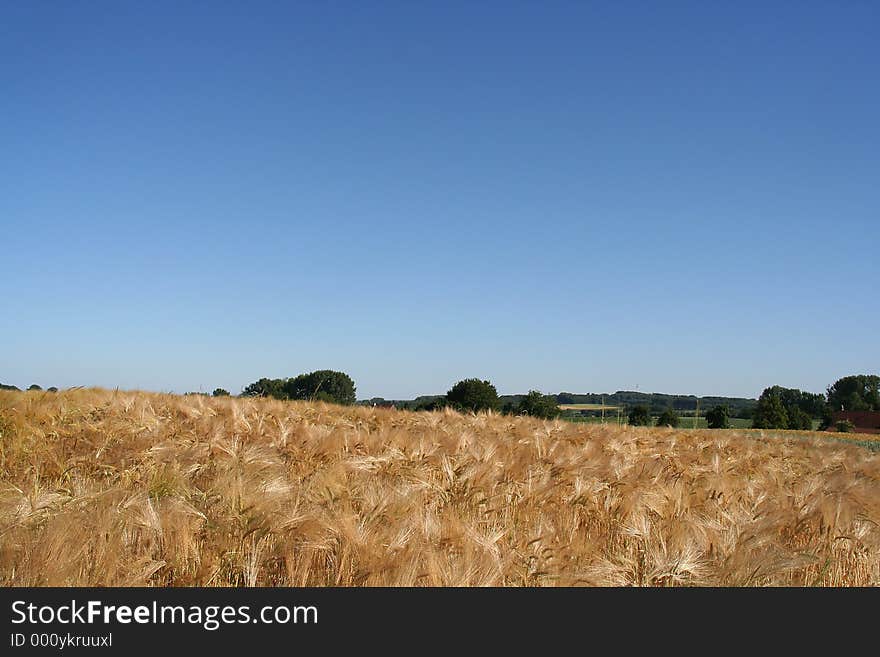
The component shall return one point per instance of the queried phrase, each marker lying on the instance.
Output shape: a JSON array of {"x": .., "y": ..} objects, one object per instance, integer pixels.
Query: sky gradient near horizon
[{"x": 670, "y": 197}]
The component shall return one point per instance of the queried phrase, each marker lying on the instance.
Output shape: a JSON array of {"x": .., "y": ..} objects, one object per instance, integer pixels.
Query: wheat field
[{"x": 113, "y": 488}]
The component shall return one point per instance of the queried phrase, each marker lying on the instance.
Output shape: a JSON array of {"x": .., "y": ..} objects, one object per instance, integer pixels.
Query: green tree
[
  {"x": 266, "y": 388},
  {"x": 639, "y": 416},
  {"x": 770, "y": 412},
  {"x": 537, "y": 404},
  {"x": 473, "y": 395},
  {"x": 718, "y": 417},
  {"x": 799, "y": 409},
  {"x": 859, "y": 392},
  {"x": 322, "y": 385},
  {"x": 798, "y": 419},
  {"x": 792, "y": 398},
  {"x": 34, "y": 386},
  {"x": 669, "y": 418},
  {"x": 220, "y": 392}
]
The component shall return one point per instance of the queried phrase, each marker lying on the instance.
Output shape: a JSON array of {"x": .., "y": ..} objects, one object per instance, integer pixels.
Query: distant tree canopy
[
  {"x": 859, "y": 392},
  {"x": 431, "y": 403},
  {"x": 787, "y": 408},
  {"x": 639, "y": 416},
  {"x": 658, "y": 402},
  {"x": 669, "y": 418},
  {"x": 52, "y": 389},
  {"x": 265, "y": 388},
  {"x": 321, "y": 385},
  {"x": 537, "y": 404},
  {"x": 770, "y": 413},
  {"x": 718, "y": 417},
  {"x": 473, "y": 395},
  {"x": 34, "y": 386},
  {"x": 220, "y": 392},
  {"x": 6, "y": 386}
]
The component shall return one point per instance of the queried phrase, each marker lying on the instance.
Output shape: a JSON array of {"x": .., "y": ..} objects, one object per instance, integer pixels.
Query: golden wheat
[{"x": 130, "y": 488}]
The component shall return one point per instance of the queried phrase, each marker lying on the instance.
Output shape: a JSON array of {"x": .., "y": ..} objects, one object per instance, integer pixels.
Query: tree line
[
  {"x": 657, "y": 403},
  {"x": 468, "y": 395},
  {"x": 474, "y": 395},
  {"x": 33, "y": 386},
  {"x": 777, "y": 407},
  {"x": 789, "y": 408},
  {"x": 321, "y": 385}
]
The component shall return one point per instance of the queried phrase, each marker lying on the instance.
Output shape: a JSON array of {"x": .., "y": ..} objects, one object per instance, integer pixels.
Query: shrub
[
  {"x": 639, "y": 417},
  {"x": 845, "y": 426},
  {"x": 718, "y": 417},
  {"x": 220, "y": 392},
  {"x": 827, "y": 419},
  {"x": 669, "y": 418}
]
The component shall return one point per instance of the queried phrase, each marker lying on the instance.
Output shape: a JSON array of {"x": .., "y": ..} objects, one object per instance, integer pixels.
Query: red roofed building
[{"x": 863, "y": 421}]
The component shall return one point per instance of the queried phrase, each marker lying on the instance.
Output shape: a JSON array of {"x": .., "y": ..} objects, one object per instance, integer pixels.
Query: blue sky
[{"x": 674, "y": 197}]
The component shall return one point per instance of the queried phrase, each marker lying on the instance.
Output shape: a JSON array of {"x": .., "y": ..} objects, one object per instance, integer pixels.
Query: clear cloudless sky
[{"x": 678, "y": 197}]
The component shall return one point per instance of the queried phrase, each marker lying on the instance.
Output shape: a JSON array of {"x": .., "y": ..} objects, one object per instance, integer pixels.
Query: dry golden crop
[{"x": 131, "y": 488}]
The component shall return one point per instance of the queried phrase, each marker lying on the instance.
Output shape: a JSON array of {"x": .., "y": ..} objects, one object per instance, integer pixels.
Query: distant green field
[
  {"x": 871, "y": 441},
  {"x": 587, "y": 407}
]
